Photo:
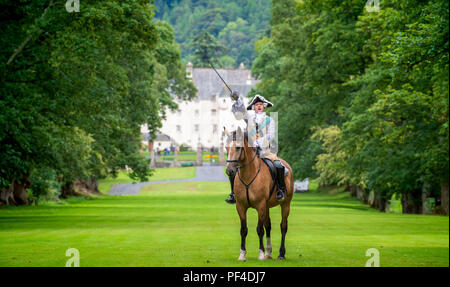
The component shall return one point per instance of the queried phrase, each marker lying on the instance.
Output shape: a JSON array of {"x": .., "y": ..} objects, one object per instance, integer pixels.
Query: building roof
[
  {"x": 241, "y": 89},
  {"x": 162, "y": 138},
  {"x": 209, "y": 84}
]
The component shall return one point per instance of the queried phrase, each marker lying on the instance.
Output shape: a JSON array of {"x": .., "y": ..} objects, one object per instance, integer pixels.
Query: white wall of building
[{"x": 201, "y": 120}]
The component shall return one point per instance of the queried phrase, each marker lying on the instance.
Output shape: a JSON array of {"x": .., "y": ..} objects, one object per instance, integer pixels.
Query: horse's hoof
[
  {"x": 242, "y": 256},
  {"x": 261, "y": 255},
  {"x": 281, "y": 258},
  {"x": 268, "y": 256},
  {"x": 230, "y": 200}
]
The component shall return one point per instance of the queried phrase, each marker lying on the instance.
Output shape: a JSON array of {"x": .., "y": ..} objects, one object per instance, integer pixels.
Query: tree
[
  {"x": 74, "y": 95},
  {"x": 206, "y": 50},
  {"x": 402, "y": 102},
  {"x": 190, "y": 18},
  {"x": 363, "y": 97},
  {"x": 236, "y": 36},
  {"x": 303, "y": 65}
]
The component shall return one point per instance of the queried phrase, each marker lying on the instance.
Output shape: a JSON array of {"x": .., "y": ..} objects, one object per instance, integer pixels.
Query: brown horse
[{"x": 252, "y": 187}]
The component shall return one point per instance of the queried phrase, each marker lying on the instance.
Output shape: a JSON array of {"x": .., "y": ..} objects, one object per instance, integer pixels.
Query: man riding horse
[{"x": 261, "y": 133}]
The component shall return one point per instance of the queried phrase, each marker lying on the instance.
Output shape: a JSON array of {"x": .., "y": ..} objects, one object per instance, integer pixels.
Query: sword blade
[{"x": 220, "y": 77}]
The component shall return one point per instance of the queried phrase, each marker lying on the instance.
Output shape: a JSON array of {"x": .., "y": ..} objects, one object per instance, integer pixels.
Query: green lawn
[
  {"x": 189, "y": 224},
  {"x": 159, "y": 174}
]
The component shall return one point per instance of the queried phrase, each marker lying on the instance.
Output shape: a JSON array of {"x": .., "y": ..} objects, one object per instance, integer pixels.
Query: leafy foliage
[
  {"x": 206, "y": 50},
  {"x": 236, "y": 24},
  {"x": 363, "y": 96},
  {"x": 76, "y": 90}
]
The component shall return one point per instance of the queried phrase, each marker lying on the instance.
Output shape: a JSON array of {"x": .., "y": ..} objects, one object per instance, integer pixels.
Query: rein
[{"x": 238, "y": 160}]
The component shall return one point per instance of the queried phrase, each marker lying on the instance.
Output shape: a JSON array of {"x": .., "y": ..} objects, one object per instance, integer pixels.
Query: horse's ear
[
  {"x": 226, "y": 131},
  {"x": 245, "y": 138},
  {"x": 239, "y": 137}
]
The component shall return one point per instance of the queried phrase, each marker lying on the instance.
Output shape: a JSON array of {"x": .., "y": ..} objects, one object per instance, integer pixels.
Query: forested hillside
[{"x": 236, "y": 24}]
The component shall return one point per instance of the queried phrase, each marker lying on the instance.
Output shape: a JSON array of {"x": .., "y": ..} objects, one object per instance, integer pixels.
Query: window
[
  {"x": 178, "y": 129},
  {"x": 213, "y": 112},
  {"x": 197, "y": 113},
  {"x": 196, "y": 128},
  {"x": 214, "y": 129}
]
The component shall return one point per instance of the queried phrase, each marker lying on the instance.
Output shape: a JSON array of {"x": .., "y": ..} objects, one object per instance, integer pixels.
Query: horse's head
[{"x": 236, "y": 143}]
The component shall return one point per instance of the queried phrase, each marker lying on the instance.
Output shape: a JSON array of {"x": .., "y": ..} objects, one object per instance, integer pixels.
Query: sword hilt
[{"x": 235, "y": 95}]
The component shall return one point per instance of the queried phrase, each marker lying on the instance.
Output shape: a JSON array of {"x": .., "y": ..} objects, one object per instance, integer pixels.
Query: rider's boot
[
  {"x": 231, "y": 198},
  {"x": 280, "y": 179}
]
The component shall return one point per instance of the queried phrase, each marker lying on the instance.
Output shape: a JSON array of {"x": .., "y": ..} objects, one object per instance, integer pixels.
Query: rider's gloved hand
[{"x": 235, "y": 95}]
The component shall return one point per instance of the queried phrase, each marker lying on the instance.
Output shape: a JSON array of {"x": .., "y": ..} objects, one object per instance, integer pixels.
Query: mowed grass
[
  {"x": 158, "y": 174},
  {"x": 189, "y": 224}
]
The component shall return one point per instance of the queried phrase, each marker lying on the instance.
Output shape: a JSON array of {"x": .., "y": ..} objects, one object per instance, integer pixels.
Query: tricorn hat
[{"x": 259, "y": 98}]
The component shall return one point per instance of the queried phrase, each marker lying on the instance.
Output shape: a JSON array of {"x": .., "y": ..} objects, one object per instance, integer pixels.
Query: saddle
[
  {"x": 273, "y": 173},
  {"x": 272, "y": 169}
]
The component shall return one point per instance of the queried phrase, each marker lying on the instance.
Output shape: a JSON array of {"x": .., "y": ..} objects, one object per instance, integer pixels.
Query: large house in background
[{"x": 202, "y": 119}]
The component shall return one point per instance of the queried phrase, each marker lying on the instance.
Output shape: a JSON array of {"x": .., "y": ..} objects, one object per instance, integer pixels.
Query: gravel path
[{"x": 203, "y": 173}]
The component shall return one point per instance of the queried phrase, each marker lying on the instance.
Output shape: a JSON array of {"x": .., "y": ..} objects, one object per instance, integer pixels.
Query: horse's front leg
[
  {"x": 260, "y": 231},
  {"x": 244, "y": 230}
]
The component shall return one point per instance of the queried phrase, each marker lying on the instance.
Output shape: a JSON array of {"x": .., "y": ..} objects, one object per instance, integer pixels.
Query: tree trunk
[
  {"x": 93, "y": 185},
  {"x": 7, "y": 196},
  {"x": 366, "y": 194},
  {"x": 375, "y": 201},
  {"x": 444, "y": 195},
  {"x": 353, "y": 190},
  {"x": 383, "y": 203},
  {"x": 412, "y": 202},
  {"x": 67, "y": 189},
  {"x": 20, "y": 190},
  {"x": 387, "y": 206},
  {"x": 359, "y": 193},
  {"x": 379, "y": 202},
  {"x": 427, "y": 208},
  {"x": 87, "y": 186}
]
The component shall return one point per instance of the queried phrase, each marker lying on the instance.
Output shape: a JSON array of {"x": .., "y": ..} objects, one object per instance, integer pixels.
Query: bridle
[{"x": 239, "y": 159}]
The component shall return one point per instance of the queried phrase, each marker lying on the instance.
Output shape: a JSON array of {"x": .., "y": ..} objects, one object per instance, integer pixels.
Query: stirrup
[
  {"x": 280, "y": 198},
  {"x": 231, "y": 199}
]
